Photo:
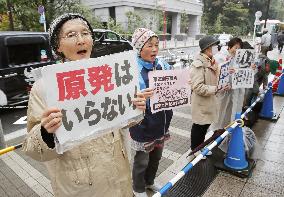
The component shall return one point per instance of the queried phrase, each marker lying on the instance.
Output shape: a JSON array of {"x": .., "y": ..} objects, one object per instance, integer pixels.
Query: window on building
[{"x": 112, "y": 12}]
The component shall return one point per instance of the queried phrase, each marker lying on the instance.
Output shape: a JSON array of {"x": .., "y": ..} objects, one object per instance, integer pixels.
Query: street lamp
[
  {"x": 267, "y": 10},
  {"x": 258, "y": 14}
]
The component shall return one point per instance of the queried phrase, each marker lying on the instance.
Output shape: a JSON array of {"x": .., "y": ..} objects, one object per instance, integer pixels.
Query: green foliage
[
  {"x": 2, "y": 6},
  {"x": 184, "y": 23},
  {"x": 112, "y": 25},
  {"x": 26, "y": 16},
  {"x": 218, "y": 24},
  {"x": 232, "y": 18},
  {"x": 237, "y": 16},
  {"x": 277, "y": 6},
  {"x": 160, "y": 16},
  {"x": 96, "y": 22},
  {"x": 134, "y": 21},
  {"x": 4, "y": 24}
]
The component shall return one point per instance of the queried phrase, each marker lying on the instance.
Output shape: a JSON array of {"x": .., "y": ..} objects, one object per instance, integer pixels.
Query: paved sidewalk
[{"x": 268, "y": 177}]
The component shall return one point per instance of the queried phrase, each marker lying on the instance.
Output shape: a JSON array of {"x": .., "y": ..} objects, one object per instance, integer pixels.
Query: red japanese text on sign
[
  {"x": 71, "y": 84},
  {"x": 100, "y": 76}
]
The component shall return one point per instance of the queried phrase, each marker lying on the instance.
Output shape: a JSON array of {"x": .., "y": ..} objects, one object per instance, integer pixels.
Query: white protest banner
[
  {"x": 244, "y": 58},
  {"x": 172, "y": 89},
  {"x": 94, "y": 95},
  {"x": 243, "y": 78},
  {"x": 224, "y": 77}
]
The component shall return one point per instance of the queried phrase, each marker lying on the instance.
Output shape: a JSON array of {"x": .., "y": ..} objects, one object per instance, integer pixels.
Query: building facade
[{"x": 185, "y": 13}]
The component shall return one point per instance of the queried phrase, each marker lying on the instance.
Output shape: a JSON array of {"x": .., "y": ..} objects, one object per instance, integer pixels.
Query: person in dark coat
[
  {"x": 148, "y": 137},
  {"x": 280, "y": 40}
]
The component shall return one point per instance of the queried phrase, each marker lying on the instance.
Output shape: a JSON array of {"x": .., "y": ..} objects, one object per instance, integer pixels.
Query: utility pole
[
  {"x": 10, "y": 15},
  {"x": 266, "y": 15}
]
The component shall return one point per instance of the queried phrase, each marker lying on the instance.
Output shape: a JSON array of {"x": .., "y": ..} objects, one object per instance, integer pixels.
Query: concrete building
[{"x": 183, "y": 16}]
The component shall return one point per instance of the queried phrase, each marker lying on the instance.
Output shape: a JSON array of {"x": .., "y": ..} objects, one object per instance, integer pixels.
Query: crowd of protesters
[{"x": 100, "y": 167}]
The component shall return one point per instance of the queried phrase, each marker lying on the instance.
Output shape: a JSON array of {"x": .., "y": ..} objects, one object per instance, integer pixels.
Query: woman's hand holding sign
[
  {"x": 140, "y": 101},
  {"x": 51, "y": 119},
  {"x": 231, "y": 70},
  {"x": 148, "y": 92}
]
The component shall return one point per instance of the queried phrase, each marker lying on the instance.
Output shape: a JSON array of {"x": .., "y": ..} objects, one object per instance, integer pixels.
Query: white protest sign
[
  {"x": 243, "y": 78},
  {"x": 244, "y": 58},
  {"x": 172, "y": 89},
  {"x": 94, "y": 95},
  {"x": 224, "y": 77}
]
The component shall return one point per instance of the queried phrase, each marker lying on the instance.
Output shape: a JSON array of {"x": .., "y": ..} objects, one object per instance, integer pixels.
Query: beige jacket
[
  {"x": 98, "y": 168},
  {"x": 204, "y": 79}
]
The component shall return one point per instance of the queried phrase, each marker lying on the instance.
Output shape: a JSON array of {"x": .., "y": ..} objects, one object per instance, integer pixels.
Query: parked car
[
  {"x": 108, "y": 42},
  {"x": 224, "y": 39},
  {"x": 20, "y": 52}
]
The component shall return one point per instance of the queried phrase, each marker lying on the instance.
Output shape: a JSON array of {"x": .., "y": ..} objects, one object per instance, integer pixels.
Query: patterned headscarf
[
  {"x": 140, "y": 37},
  {"x": 56, "y": 25}
]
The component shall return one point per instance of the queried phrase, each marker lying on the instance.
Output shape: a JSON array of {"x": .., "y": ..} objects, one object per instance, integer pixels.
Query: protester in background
[
  {"x": 149, "y": 136},
  {"x": 204, "y": 78},
  {"x": 260, "y": 78},
  {"x": 266, "y": 42},
  {"x": 98, "y": 167},
  {"x": 280, "y": 40},
  {"x": 229, "y": 101}
]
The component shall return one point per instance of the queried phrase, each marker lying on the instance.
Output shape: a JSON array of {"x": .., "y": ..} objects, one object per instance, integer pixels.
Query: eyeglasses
[{"x": 73, "y": 36}]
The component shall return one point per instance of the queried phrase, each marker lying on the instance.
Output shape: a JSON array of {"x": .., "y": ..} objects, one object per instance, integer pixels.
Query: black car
[
  {"x": 108, "y": 42},
  {"x": 20, "y": 52}
]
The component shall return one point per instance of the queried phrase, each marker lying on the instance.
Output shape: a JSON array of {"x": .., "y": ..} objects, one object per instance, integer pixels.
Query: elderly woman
[
  {"x": 98, "y": 167},
  {"x": 204, "y": 78},
  {"x": 229, "y": 101},
  {"x": 148, "y": 137}
]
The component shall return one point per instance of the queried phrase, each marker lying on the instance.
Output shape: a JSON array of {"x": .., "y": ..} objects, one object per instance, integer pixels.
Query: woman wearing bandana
[{"x": 148, "y": 137}]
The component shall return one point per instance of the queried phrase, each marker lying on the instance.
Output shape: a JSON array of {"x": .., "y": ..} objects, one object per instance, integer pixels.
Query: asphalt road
[{"x": 13, "y": 119}]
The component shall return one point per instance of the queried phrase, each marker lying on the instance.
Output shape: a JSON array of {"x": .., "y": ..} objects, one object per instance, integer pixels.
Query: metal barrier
[{"x": 10, "y": 148}]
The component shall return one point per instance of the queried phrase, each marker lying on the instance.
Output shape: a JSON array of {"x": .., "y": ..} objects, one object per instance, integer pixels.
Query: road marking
[
  {"x": 22, "y": 120},
  {"x": 31, "y": 176},
  {"x": 182, "y": 115}
]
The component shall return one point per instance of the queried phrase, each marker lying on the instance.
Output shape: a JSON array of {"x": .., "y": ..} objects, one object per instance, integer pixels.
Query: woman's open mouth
[
  {"x": 82, "y": 52},
  {"x": 153, "y": 56}
]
